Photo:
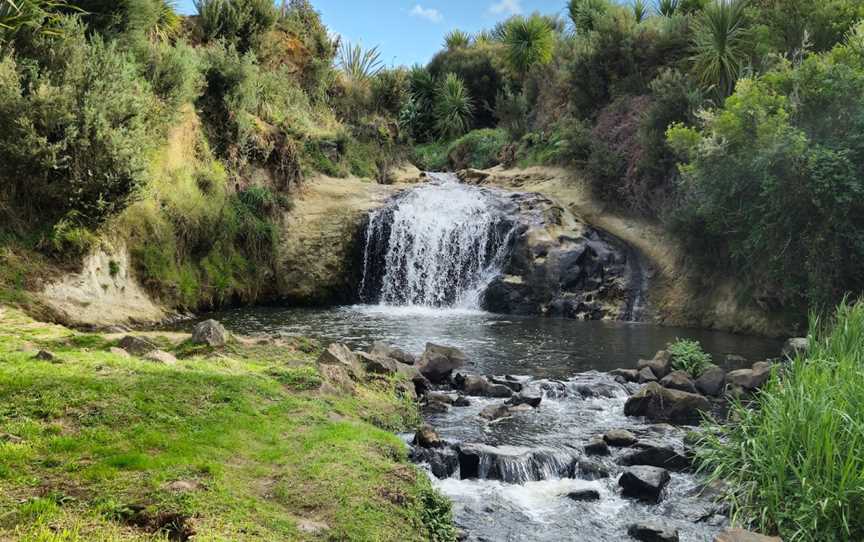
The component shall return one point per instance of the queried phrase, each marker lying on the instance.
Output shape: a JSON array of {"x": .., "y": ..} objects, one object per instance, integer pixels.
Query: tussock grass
[{"x": 795, "y": 458}]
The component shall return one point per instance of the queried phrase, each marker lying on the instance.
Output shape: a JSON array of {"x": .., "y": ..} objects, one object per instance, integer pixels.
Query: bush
[
  {"x": 688, "y": 356},
  {"x": 241, "y": 23},
  {"x": 175, "y": 73},
  {"x": 390, "y": 91},
  {"x": 479, "y": 67},
  {"x": 793, "y": 459},
  {"x": 77, "y": 129},
  {"x": 479, "y": 149},
  {"x": 771, "y": 189}
]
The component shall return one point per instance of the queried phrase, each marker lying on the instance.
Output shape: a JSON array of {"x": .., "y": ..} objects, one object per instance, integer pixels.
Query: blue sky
[{"x": 411, "y": 31}]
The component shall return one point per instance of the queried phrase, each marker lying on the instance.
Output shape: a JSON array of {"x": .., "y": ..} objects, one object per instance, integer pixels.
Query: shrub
[
  {"x": 175, "y": 74},
  {"x": 511, "y": 111},
  {"x": 454, "y": 108},
  {"x": 478, "y": 149},
  {"x": 456, "y": 39},
  {"x": 585, "y": 13},
  {"x": 793, "y": 459},
  {"x": 390, "y": 91},
  {"x": 688, "y": 356},
  {"x": 74, "y": 145},
  {"x": 529, "y": 41},
  {"x": 241, "y": 23}
]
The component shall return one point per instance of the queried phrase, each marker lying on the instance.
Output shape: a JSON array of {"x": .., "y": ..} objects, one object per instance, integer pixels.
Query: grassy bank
[
  {"x": 235, "y": 444},
  {"x": 793, "y": 459}
]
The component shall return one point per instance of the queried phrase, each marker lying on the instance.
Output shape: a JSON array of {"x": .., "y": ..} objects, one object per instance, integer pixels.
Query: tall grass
[{"x": 795, "y": 459}]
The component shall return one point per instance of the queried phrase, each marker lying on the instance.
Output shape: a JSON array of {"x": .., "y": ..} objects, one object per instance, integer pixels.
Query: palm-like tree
[
  {"x": 720, "y": 43},
  {"x": 359, "y": 63},
  {"x": 453, "y": 107},
  {"x": 456, "y": 39},
  {"x": 38, "y": 15},
  {"x": 667, "y": 8},
  {"x": 530, "y": 41},
  {"x": 169, "y": 23},
  {"x": 640, "y": 10}
]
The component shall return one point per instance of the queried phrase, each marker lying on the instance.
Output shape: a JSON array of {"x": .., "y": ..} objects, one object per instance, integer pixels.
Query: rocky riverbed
[{"x": 595, "y": 457}]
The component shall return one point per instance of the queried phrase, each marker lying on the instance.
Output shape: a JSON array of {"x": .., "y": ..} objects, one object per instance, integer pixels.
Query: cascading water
[{"x": 436, "y": 246}]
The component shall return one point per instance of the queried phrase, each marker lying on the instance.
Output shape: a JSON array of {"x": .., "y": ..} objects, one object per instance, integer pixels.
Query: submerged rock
[
  {"x": 584, "y": 495},
  {"x": 650, "y": 531},
  {"x": 210, "y": 333},
  {"x": 495, "y": 412},
  {"x": 644, "y": 483},
  {"x": 597, "y": 446},
  {"x": 512, "y": 465},
  {"x": 620, "y": 438},
  {"x": 426, "y": 437},
  {"x": 529, "y": 398},
  {"x": 438, "y": 362},
  {"x": 657, "y": 456},
  {"x": 661, "y": 404}
]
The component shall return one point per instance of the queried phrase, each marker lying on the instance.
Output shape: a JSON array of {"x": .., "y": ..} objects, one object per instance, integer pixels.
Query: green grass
[
  {"x": 91, "y": 441},
  {"x": 795, "y": 459}
]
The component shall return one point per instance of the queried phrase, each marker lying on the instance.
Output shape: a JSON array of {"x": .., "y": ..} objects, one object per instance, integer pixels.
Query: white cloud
[
  {"x": 429, "y": 14},
  {"x": 506, "y": 7}
]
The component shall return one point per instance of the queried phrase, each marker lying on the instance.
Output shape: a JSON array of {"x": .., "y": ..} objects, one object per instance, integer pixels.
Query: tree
[
  {"x": 453, "y": 107},
  {"x": 530, "y": 41},
  {"x": 720, "y": 44}
]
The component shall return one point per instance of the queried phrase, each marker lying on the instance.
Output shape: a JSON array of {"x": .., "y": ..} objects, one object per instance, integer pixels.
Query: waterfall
[{"x": 437, "y": 246}]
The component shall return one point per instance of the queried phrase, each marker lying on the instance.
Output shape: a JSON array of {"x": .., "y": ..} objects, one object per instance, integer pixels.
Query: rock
[
  {"x": 439, "y": 362},
  {"x": 443, "y": 461},
  {"x": 160, "y": 356},
  {"x": 511, "y": 464},
  {"x": 597, "y": 446},
  {"x": 661, "y": 404},
  {"x": 679, "y": 380},
  {"x": 629, "y": 375},
  {"x": 592, "y": 470},
  {"x": 461, "y": 401},
  {"x": 495, "y": 412},
  {"x": 421, "y": 384},
  {"x": 620, "y": 438},
  {"x": 136, "y": 346},
  {"x": 584, "y": 495},
  {"x": 480, "y": 386},
  {"x": 119, "y": 352},
  {"x": 750, "y": 379},
  {"x": 529, "y": 398},
  {"x": 660, "y": 365},
  {"x": 406, "y": 390},
  {"x": 712, "y": 381},
  {"x": 377, "y": 365},
  {"x": 45, "y": 355},
  {"x": 796, "y": 346},
  {"x": 440, "y": 397},
  {"x": 340, "y": 355},
  {"x": 210, "y": 333},
  {"x": 509, "y": 381},
  {"x": 646, "y": 375},
  {"x": 656, "y": 456},
  {"x": 337, "y": 379},
  {"x": 382, "y": 350},
  {"x": 644, "y": 483},
  {"x": 183, "y": 486},
  {"x": 650, "y": 531},
  {"x": 314, "y": 528},
  {"x": 426, "y": 437},
  {"x": 740, "y": 535}
]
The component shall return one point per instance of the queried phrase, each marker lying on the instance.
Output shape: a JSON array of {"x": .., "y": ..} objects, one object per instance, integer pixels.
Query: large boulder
[
  {"x": 137, "y": 346},
  {"x": 649, "y": 531},
  {"x": 339, "y": 355},
  {"x": 679, "y": 380},
  {"x": 383, "y": 350},
  {"x": 377, "y": 365},
  {"x": 750, "y": 379},
  {"x": 712, "y": 381},
  {"x": 657, "y": 403},
  {"x": 645, "y": 483},
  {"x": 646, "y": 375},
  {"x": 210, "y": 333},
  {"x": 597, "y": 446},
  {"x": 438, "y": 362},
  {"x": 660, "y": 365},
  {"x": 656, "y": 456},
  {"x": 620, "y": 438},
  {"x": 740, "y": 535}
]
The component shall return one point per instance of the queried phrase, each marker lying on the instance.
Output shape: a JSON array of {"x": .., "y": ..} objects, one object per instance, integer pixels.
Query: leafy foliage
[
  {"x": 358, "y": 63},
  {"x": 456, "y": 39},
  {"x": 721, "y": 45},
  {"x": 454, "y": 108},
  {"x": 241, "y": 23},
  {"x": 585, "y": 13},
  {"x": 688, "y": 356},
  {"x": 529, "y": 41}
]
